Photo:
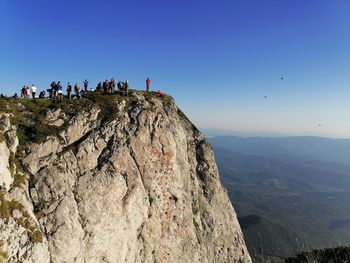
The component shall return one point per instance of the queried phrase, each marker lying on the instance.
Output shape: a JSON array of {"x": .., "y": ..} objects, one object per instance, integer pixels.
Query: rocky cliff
[{"x": 110, "y": 179}]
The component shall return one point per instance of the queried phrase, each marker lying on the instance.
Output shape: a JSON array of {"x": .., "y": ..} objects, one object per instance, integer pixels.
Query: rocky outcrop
[
  {"x": 8, "y": 146},
  {"x": 142, "y": 186}
]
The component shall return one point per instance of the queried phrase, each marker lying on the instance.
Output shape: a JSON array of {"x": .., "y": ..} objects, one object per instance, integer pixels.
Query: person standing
[
  {"x": 108, "y": 85},
  {"x": 76, "y": 89},
  {"x": 23, "y": 92},
  {"x": 120, "y": 88},
  {"x": 52, "y": 91},
  {"x": 112, "y": 86},
  {"x": 148, "y": 83},
  {"x": 104, "y": 86},
  {"x": 69, "y": 90},
  {"x": 27, "y": 92},
  {"x": 56, "y": 90},
  {"x": 86, "y": 84},
  {"x": 59, "y": 90},
  {"x": 99, "y": 87},
  {"x": 33, "y": 89},
  {"x": 126, "y": 88}
]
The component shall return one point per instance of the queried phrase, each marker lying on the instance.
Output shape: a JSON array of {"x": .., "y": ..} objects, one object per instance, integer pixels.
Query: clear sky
[{"x": 218, "y": 59}]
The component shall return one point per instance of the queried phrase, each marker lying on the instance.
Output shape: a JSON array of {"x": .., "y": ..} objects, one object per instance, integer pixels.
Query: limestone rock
[
  {"x": 8, "y": 146},
  {"x": 142, "y": 187}
]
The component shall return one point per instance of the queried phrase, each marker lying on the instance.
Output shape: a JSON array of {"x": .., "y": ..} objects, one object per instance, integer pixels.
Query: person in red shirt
[{"x": 148, "y": 83}]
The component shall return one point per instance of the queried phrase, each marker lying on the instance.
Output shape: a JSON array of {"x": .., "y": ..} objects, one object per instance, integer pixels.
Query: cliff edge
[{"x": 110, "y": 179}]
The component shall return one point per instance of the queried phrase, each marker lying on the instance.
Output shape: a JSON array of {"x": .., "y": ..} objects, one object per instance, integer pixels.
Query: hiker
[
  {"x": 148, "y": 83},
  {"x": 27, "y": 92},
  {"x": 159, "y": 94},
  {"x": 23, "y": 92},
  {"x": 76, "y": 89},
  {"x": 112, "y": 86},
  {"x": 53, "y": 87},
  {"x": 15, "y": 96},
  {"x": 86, "y": 83},
  {"x": 42, "y": 94},
  {"x": 82, "y": 93},
  {"x": 33, "y": 91},
  {"x": 120, "y": 88},
  {"x": 52, "y": 93},
  {"x": 69, "y": 90},
  {"x": 108, "y": 86},
  {"x": 99, "y": 87},
  {"x": 105, "y": 86},
  {"x": 56, "y": 89},
  {"x": 2, "y": 96},
  {"x": 59, "y": 90},
  {"x": 124, "y": 88}
]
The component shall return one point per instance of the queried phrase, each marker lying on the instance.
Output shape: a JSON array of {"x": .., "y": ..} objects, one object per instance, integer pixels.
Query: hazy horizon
[
  {"x": 269, "y": 67},
  {"x": 212, "y": 132}
]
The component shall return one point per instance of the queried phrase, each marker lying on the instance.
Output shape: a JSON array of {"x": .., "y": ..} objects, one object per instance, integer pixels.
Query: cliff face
[{"x": 131, "y": 182}]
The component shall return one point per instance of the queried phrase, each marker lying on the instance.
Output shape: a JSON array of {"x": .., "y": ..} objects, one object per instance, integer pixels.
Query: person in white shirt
[{"x": 33, "y": 90}]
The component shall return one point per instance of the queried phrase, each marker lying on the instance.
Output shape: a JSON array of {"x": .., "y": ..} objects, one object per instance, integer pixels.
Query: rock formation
[{"x": 124, "y": 180}]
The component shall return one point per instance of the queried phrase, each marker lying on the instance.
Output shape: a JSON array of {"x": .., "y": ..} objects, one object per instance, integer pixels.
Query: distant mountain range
[
  {"x": 333, "y": 150},
  {"x": 290, "y": 193}
]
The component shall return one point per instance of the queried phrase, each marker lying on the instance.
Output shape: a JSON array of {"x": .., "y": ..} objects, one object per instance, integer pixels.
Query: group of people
[
  {"x": 26, "y": 91},
  {"x": 109, "y": 87},
  {"x": 56, "y": 89}
]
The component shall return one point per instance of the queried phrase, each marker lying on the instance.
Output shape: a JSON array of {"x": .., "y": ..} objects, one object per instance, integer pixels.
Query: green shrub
[
  {"x": 35, "y": 236},
  {"x": 7, "y": 207},
  {"x": 29, "y": 121},
  {"x": 328, "y": 255},
  {"x": 19, "y": 178}
]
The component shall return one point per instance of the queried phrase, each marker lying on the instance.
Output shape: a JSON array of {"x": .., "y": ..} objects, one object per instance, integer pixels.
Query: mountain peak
[{"x": 112, "y": 179}]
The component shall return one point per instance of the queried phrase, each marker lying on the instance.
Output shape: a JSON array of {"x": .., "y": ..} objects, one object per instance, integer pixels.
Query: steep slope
[
  {"x": 287, "y": 205},
  {"x": 110, "y": 179}
]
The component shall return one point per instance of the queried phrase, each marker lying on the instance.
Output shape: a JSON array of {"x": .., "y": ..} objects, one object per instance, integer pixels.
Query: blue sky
[{"x": 218, "y": 59}]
